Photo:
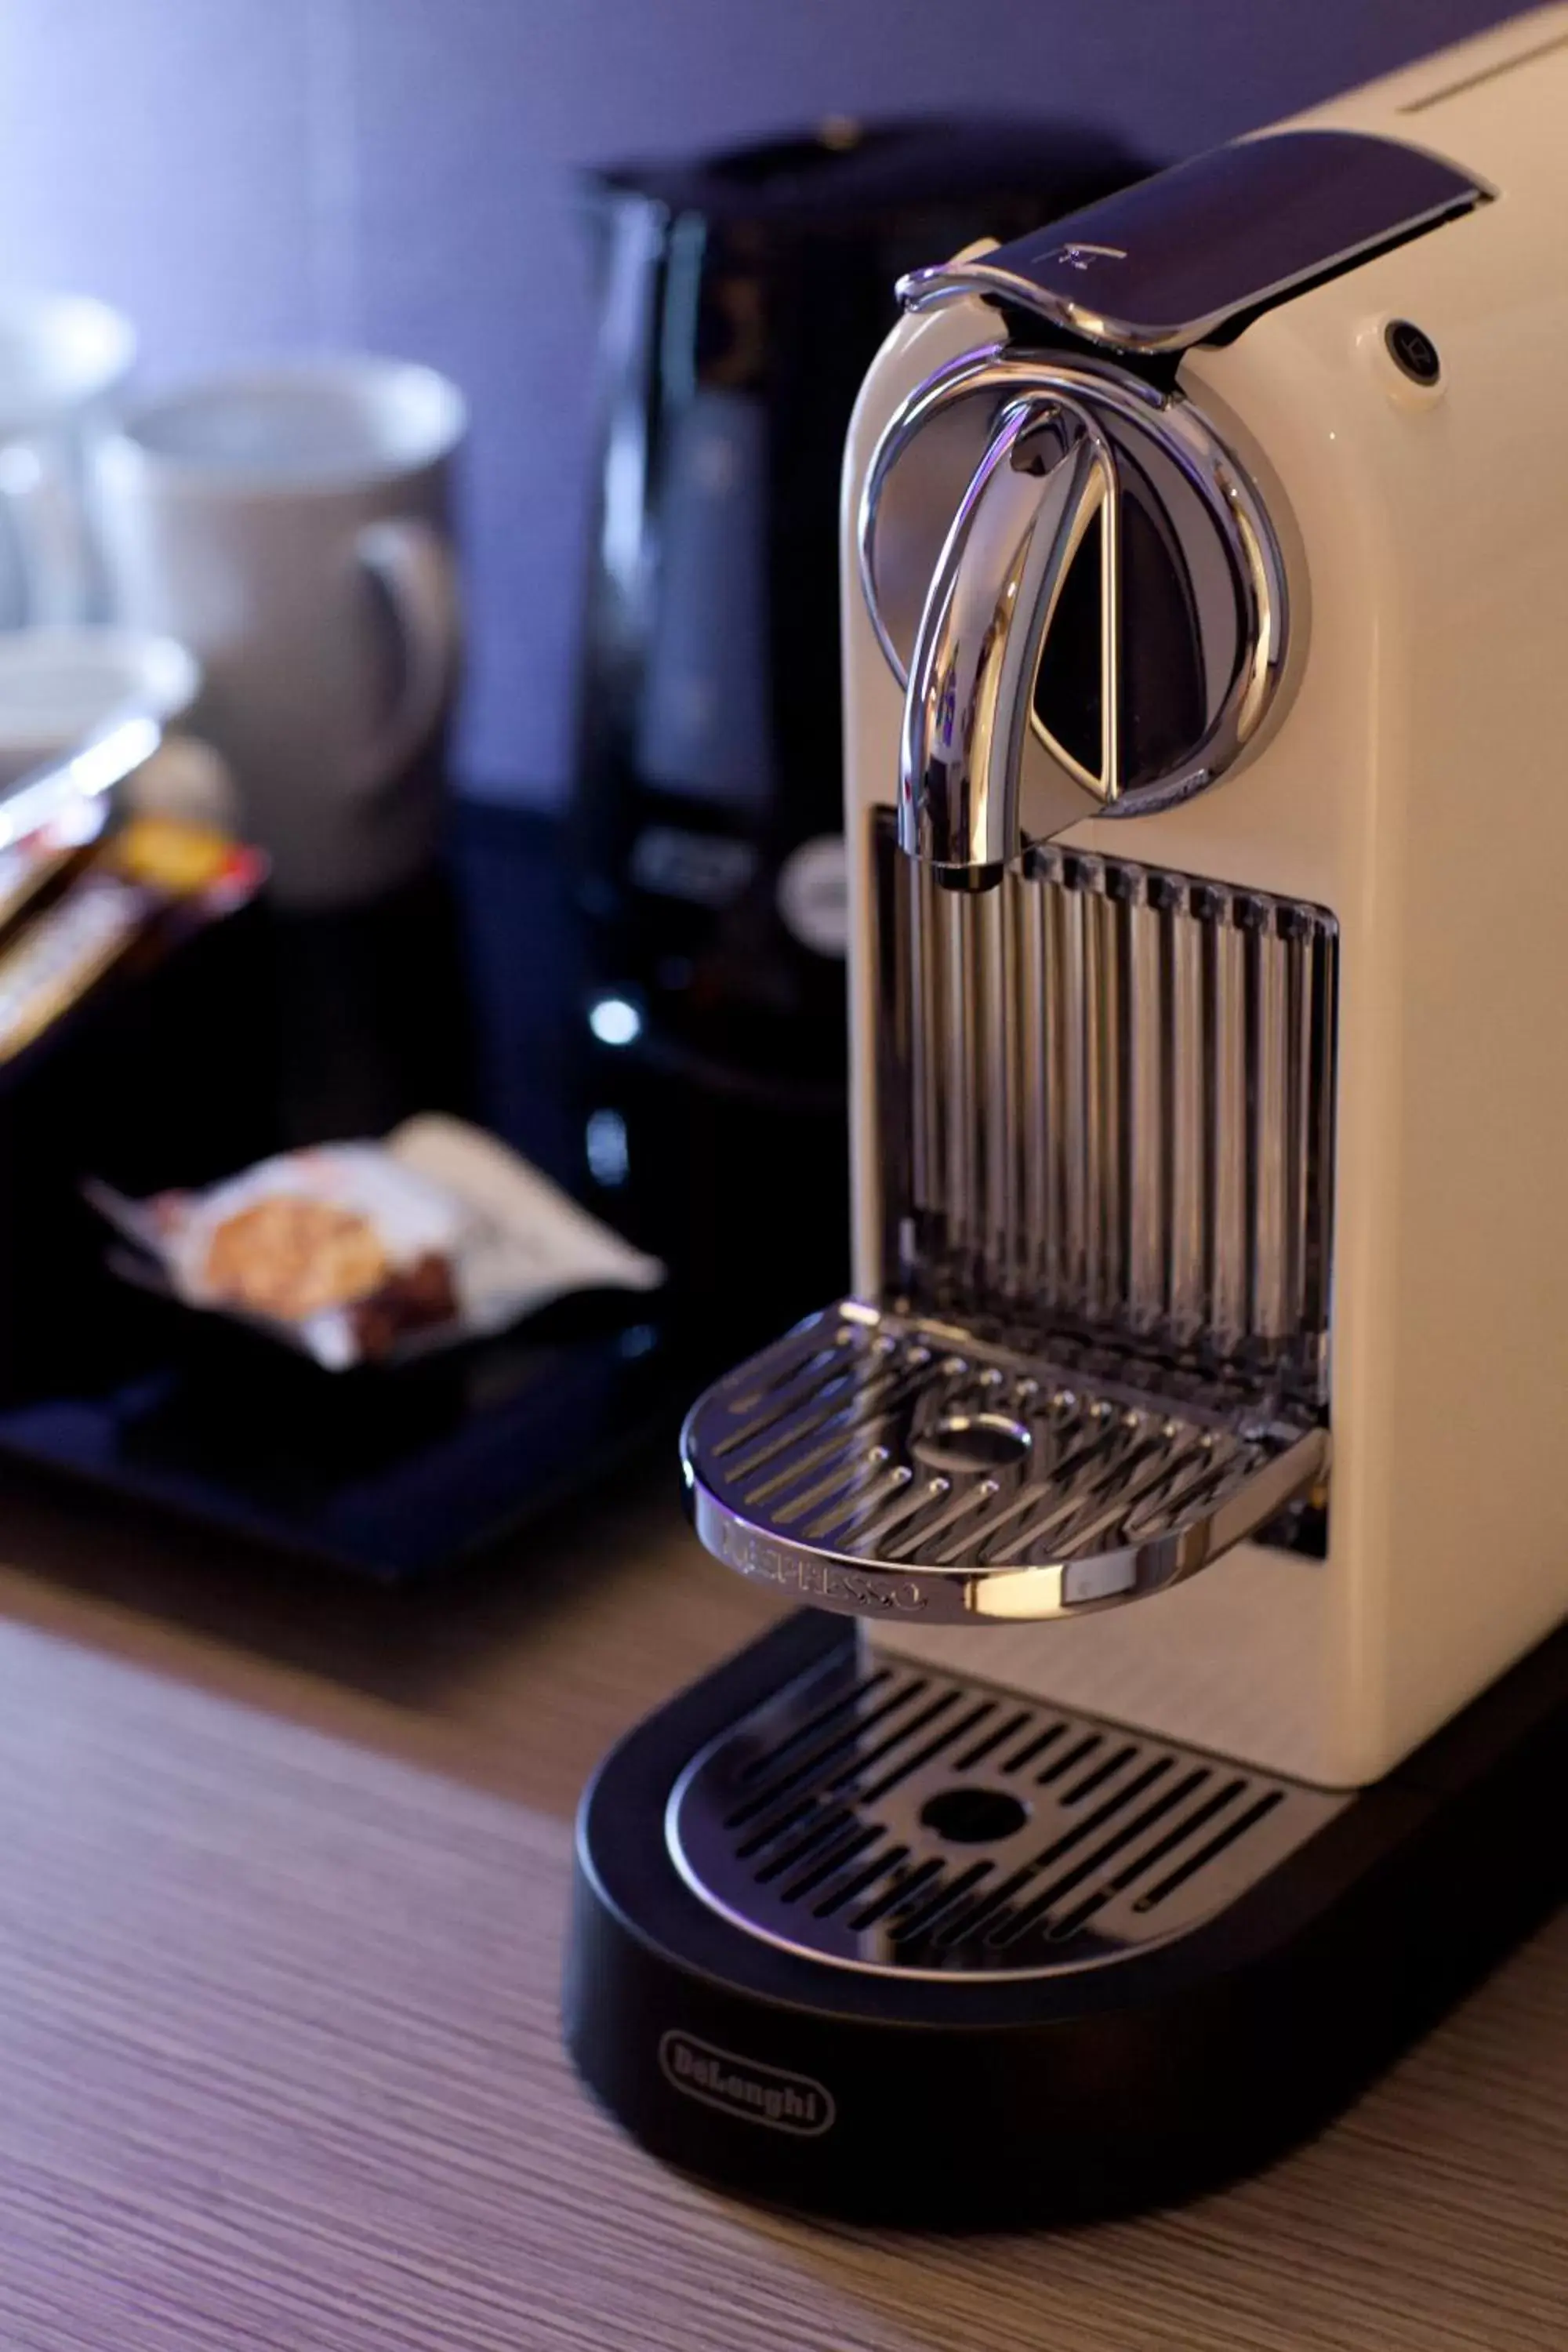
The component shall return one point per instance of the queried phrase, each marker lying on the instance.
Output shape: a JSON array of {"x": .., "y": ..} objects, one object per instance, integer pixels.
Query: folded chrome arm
[
  {"x": 990, "y": 606},
  {"x": 1043, "y": 446}
]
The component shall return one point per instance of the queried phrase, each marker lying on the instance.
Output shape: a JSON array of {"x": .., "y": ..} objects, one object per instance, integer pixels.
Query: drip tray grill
[
  {"x": 911, "y": 1821},
  {"x": 881, "y": 1464}
]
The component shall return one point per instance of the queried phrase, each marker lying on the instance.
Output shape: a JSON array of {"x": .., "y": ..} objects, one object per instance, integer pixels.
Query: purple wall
[{"x": 251, "y": 176}]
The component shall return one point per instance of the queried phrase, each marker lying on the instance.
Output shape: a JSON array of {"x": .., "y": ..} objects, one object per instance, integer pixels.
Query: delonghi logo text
[{"x": 741, "y": 2087}]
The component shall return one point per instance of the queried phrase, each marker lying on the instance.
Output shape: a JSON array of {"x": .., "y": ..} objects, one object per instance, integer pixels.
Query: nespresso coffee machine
[{"x": 1179, "y": 1720}]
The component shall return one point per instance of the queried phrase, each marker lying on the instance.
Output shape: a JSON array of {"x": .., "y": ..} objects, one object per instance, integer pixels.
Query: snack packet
[
  {"x": 359, "y": 1252},
  {"x": 154, "y": 872}
]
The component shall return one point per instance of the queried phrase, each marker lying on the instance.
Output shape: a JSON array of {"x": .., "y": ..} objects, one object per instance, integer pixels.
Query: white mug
[
  {"x": 275, "y": 522},
  {"x": 63, "y": 357}
]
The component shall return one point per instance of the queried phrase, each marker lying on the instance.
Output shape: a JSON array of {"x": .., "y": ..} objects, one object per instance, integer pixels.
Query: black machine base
[{"x": 921, "y": 2099}]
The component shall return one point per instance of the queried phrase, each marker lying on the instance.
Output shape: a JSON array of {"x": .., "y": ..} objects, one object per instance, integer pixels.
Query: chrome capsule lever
[
  {"x": 1009, "y": 503},
  {"x": 1048, "y": 475}
]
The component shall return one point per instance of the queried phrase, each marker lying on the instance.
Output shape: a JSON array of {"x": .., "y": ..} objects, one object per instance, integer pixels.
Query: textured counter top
[{"x": 283, "y": 1869}]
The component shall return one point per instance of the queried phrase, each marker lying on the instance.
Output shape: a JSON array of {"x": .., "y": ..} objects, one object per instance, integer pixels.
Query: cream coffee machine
[{"x": 1178, "y": 1719}]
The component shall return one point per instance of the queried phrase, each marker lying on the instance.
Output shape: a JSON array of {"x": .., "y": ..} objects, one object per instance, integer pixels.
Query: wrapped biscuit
[{"x": 357, "y": 1253}]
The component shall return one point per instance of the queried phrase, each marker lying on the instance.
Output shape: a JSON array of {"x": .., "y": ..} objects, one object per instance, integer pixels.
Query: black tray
[{"x": 461, "y": 994}]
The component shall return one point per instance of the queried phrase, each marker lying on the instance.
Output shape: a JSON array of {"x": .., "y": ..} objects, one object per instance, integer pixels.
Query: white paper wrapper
[{"x": 513, "y": 1241}]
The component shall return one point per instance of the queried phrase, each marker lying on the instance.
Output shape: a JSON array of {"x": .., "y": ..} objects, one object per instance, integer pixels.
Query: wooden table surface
[{"x": 283, "y": 1867}]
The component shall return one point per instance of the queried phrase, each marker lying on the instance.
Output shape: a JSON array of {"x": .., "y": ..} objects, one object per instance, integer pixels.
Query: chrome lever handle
[
  {"x": 989, "y": 609},
  {"x": 963, "y": 560}
]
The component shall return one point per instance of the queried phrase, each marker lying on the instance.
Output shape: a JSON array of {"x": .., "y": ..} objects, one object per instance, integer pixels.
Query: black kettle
[{"x": 745, "y": 295}]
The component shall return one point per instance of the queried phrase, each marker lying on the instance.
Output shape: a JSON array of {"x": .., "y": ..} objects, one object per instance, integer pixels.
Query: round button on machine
[{"x": 1413, "y": 351}]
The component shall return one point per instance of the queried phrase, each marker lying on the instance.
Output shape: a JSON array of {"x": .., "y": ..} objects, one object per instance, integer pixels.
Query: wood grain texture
[
  {"x": 279, "y": 2054},
  {"x": 512, "y": 1674}
]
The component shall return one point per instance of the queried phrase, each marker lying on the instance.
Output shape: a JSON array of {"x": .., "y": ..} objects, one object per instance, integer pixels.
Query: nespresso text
[{"x": 821, "y": 1581}]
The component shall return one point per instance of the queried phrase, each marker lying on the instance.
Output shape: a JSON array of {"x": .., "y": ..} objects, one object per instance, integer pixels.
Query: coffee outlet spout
[
  {"x": 996, "y": 587},
  {"x": 1065, "y": 665}
]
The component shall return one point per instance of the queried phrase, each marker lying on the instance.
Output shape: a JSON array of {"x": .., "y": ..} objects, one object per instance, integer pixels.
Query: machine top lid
[{"x": 1171, "y": 261}]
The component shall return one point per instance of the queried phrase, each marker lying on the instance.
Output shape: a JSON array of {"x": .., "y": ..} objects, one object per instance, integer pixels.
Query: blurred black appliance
[{"x": 745, "y": 295}]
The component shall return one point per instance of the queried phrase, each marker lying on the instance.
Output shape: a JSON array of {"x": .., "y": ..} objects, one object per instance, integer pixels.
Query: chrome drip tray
[
  {"x": 879, "y": 1463},
  {"x": 908, "y": 1822}
]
